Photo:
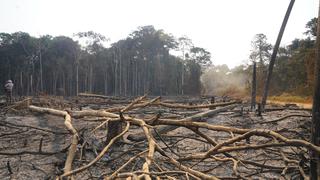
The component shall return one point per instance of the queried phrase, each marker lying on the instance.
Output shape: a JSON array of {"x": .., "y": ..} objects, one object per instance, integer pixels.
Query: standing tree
[
  {"x": 274, "y": 54},
  {"x": 315, "y": 128},
  {"x": 254, "y": 86},
  {"x": 184, "y": 45},
  {"x": 94, "y": 45},
  {"x": 260, "y": 53}
]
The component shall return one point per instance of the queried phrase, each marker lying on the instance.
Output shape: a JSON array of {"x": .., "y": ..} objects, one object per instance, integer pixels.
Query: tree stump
[{"x": 114, "y": 128}]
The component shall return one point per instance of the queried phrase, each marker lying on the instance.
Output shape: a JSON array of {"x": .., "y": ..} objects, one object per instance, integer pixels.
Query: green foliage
[
  {"x": 294, "y": 67},
  {"x": 261, "y": 49},
  {"x": 312, "y": 27}
]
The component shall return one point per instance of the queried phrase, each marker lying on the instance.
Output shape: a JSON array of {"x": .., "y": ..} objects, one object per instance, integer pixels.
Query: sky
[{"x": 223, "y": 27}]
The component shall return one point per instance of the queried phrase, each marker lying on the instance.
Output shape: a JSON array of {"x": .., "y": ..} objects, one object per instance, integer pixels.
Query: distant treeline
[
  {"x": 138, "y": 64},
  {"x": 293, "y": 71}
]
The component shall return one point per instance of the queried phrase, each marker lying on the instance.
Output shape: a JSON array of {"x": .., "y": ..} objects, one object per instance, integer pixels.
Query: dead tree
[
  {"x": 274, "y": 54},
  {"x": 315, "y": 129}
]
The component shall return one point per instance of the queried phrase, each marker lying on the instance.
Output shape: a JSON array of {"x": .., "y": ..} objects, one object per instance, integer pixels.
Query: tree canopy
[{"x": 138, "y": 64}]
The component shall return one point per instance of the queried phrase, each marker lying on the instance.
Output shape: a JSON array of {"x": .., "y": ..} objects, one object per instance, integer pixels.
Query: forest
[
  {"x": 139, "y": 64},
  {"x": 148, "y": 61}
]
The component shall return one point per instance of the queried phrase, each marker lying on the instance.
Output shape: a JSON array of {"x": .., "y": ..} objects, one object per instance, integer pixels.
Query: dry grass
[{"x": 291, "y": 98}]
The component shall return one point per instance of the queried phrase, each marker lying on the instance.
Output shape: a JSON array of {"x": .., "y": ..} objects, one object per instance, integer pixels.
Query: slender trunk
[
  {"x": 90, "y": 78},
  {"x": 120, "y": 73},
  {"x": 315, "y": 128},
  {"x": 77, "y": 79},
  {"x": 116, "y": 82},
  {"x": 254, "y": 86},
  {"x": 106, "y": 83},
  {"x": 125, "y": 79},
  {"x": 40, "y": 61},
  {"x": 31, "y": 85},
  {"x": 182, "y": 80},
  {"x": 274, "y": 54},
  {"x": 28, "y": 85},
  {"x": 21, "y": 84},
  {"x": 54, "y": 86},
  {"x": 86, "y": 82}
]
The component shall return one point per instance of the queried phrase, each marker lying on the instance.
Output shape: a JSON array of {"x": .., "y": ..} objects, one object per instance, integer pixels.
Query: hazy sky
[{"x": 223, "y": 27}]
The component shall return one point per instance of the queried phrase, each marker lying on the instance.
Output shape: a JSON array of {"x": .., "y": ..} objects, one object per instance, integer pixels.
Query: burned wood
[
  {"x": 9, "y": 167},
  {"x": 285, "y": 117},
  {"x": 198, "y": 117},
  {"x": 67, "y": 122},
  {"x": 187, "y": 151},
  {"x": 68, "y": 173},
  {"x": 99, "y": 96},
  {"x": 196, "y": 106}
]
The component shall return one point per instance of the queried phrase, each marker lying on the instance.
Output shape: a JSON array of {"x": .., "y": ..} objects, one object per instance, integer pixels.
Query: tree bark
[
  {"x": 77, "y": 79},
  {"x": 315, "y": 128},
  {"x": 40, "y": 61},
  {"x": 254, "y": 86},
  {"x": 274, "y": 54},
  {"x": 114, "y": 129}
]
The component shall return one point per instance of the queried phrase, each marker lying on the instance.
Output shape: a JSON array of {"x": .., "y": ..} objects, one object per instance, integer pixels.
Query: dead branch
[
  {"x": 115, "y": 173},
  {"x": 185, "y": 152},
  {"x": 196, "y": 106},
  {"x": 98, "y": 157},
  {"x": 285, "y": 117},
  {"x": 197, "y": 117},
  {"x": 68, "y": 124},
  {"x": 133, "y": 103}
]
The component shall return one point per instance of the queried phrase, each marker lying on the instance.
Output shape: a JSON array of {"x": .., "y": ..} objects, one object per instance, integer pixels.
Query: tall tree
[
  {"x": 274, "y": 54},
  {"x": 260, "y": 54},
  {"x": 315, "y": 128}
]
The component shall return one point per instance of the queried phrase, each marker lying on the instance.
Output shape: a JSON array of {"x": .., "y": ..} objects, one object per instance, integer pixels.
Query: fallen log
[
  {"x": 172, "y": 154},
  {"x": 196, "y": 106},
  {"x": 99, "y": 96},
  {"x": 283, "y": 118},
  {"x": 286, "y": 108}
]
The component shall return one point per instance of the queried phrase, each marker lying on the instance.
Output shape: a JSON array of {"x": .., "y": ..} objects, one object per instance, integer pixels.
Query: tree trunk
[
  {"x": 114, "y": 128},
  {"x": 254, "y": 86},
  {"x": 31, "y": 85},
  {"x": 315, "y": 128},
  {"x": 40, "y": 61},
  {"x": 90, "y": 78},
  {"x": 120, "y": 73},
  {"x": 106, "y": 83},
  {"x": 77, "y": 79},
  {"x": 54, "y": 86},
  {"x": 116, "y": 82},
  {"x": 182, "y": 80},
  {"x": 274, "y": 54},
  {"x": 21, "y": 84}
]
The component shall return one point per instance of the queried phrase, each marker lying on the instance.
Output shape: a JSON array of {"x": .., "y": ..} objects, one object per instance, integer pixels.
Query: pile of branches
[{"x": 155, "y": 139}]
